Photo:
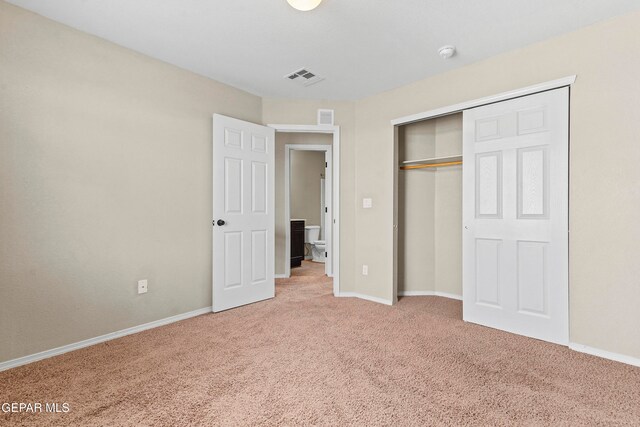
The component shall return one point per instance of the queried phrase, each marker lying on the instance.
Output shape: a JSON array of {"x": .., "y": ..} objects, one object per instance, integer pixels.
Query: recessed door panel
[
  {"x": 533, "y": 183},
  {"x": 258, "y": 256},
  {"x": 532, "y": 121},
  {"x": 233, "y": 191},
  {"x": 489, "y": 185},
  {"x": 258, "y": 143},
  {"x": 233, "y": 138},
  {"x": 258, "y": 187},
  {"x": 487, "y": 129},
  {"x": 487, "y": 269},
  {"x": 532, "y": 277},
  {"x": 232, "y": 259}
]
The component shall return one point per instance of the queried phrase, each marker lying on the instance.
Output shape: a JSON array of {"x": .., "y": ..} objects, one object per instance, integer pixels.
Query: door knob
[{"x": 220, "y": 222}]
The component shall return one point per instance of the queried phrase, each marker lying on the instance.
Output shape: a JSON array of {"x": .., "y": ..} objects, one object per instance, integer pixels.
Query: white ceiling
[{"x": 361, "y": 47}]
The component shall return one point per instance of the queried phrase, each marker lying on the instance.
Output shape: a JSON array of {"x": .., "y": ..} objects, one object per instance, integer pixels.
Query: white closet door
[{"x": 515, "y": 215}]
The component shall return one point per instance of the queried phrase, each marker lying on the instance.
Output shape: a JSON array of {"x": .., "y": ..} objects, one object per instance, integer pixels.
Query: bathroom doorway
[
  {"x": 307, "y": 135},
  {"x": 308, "y": 201}
]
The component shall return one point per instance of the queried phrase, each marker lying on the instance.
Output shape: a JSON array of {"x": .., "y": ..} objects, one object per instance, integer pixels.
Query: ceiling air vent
[
  {"x": 325, "y": 117},
  {"x": 304, "y": 77}
]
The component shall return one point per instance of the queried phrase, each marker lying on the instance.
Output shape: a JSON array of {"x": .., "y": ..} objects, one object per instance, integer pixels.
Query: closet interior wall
[{"x": 430, "y": 209}]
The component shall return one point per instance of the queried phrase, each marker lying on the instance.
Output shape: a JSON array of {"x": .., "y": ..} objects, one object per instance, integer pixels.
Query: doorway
[
  {"x": 308, "y": 198},
  {"x": 322, "y": 138},
  {"x": 246, "y": 165}
]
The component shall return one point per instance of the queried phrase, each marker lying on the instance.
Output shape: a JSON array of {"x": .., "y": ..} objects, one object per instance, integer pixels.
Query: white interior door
[
  {"x": 515, "y": 215},
  {"x": 243, "y": 213}
]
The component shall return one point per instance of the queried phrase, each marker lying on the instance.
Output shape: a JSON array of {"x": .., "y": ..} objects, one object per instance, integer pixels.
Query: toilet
[{"x": 312, "y": 238}]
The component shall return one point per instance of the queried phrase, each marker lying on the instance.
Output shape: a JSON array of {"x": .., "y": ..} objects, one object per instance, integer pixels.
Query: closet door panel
[
  {"x": 515, "y": 215},
  {"x": 489, "y": 185}
]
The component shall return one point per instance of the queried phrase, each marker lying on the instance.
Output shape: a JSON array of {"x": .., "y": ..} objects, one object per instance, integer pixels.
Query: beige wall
[
  {"x": 282, "y": 139},
  {"x": 430, "y": 209},
  {"x": 304, "y": 112},
  {"x": 105, "y": 178},
  {"x": 605, "y": 178},
  {"x": 307, "y": 169}
]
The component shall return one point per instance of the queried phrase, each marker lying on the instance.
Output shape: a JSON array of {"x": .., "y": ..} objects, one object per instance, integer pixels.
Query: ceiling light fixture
[
  {"x": 304, "y": 5},
  {"x": 447, "y": 52}
]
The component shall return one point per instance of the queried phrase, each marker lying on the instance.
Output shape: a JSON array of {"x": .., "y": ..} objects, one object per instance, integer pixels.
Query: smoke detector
[
  {"x": 304, "y": 77},
  {"x": 447, "y": 51}
]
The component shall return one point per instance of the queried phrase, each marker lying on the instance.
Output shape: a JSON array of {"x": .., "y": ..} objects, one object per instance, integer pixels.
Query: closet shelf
[{"x": 434, "y": 162}]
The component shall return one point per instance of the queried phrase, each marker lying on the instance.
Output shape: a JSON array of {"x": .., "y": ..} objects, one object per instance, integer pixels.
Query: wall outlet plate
[
  {"x": 365, "y": 270},
  {"x": 142, "y": 286},
  {"x": 367, "y": 203}
]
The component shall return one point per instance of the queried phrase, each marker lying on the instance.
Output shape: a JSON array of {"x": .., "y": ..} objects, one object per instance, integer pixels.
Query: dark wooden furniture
[{"x": 297, "y": 242}]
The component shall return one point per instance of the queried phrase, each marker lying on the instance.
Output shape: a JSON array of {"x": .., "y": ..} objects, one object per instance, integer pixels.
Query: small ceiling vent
[{"x": 304, "y": 77}]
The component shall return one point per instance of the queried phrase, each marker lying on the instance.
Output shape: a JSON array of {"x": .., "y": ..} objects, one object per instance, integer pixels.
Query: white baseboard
[
  {"x": 365, "y": 297},
  {"x": 429, "y": 293},
  {"x": 605, "y": 354},
  {"x": 102, "y": 338},
  {"x": 281, "y": 276}
]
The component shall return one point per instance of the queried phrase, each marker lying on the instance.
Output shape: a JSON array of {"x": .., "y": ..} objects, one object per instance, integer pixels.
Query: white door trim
[
  {"x": 456, "y": 108},
  {"x": 328, "y": 237},
  {"x": 335, "y": 131}
]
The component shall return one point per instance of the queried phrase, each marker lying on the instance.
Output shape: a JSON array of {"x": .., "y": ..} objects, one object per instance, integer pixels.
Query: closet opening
[
  {"x": 494, "y": 229},
  {"x": 429, "y": 207}
]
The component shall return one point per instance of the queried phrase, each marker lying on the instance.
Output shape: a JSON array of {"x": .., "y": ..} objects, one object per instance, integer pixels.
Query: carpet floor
[{"x": 307, "y": 358}]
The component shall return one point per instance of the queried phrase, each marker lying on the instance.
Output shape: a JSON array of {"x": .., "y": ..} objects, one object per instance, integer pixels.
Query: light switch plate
[
  {"x": 367, "y": 203},
  {"x": 142, "y": 286}
]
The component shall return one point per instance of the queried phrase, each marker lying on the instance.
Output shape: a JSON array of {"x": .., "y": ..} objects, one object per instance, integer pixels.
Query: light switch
[
  {"x": 142, "y": 286},
  {"x": 367, "y": 203}
]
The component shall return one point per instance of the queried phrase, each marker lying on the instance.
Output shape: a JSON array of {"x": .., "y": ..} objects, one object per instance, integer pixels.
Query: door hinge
[
  {"x": 326, "y": 165},
  {"x": 326, "y": 254},
  {"x": 325, "y": 209}
]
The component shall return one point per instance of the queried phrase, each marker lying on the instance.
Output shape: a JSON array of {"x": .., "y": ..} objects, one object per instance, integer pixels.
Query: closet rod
[{"x": 433, "y": 165}]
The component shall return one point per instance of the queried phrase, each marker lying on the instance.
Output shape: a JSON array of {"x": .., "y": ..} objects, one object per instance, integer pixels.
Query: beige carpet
[{"x": 306, "y": 357}]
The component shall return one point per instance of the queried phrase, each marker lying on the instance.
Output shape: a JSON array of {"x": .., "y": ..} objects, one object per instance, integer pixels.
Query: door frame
[
  {"x": 327, "y": 149},
  {"x": 335, "y": 184},
  {"x": 444, "y": 111}
]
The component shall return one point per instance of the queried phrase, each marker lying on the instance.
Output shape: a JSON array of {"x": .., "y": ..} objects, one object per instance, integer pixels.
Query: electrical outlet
[
  {"x": 142, "y": 286},
  {"x": 365, "y": 270},
  {"x": 367, "y": 203}
]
